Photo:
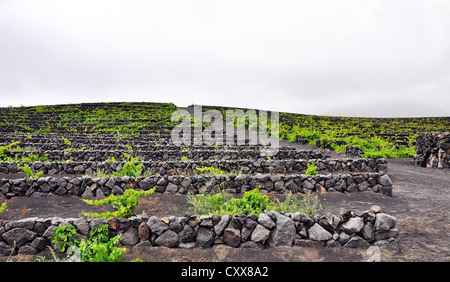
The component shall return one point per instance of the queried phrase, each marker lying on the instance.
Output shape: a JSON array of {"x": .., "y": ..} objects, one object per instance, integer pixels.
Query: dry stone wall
[
  {"x": 352, "y": 229},
  {"x": 165, "y": 154},
  {"x": 243, "y": 166},
  {"x": 88, "y": 187},
  {"x": 433, "y": 150}
]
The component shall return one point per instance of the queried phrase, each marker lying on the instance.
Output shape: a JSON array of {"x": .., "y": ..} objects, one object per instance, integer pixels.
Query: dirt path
[{"x": 425, "y": 220}]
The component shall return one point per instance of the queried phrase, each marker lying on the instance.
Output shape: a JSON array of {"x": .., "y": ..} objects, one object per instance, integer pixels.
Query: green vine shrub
[
  {"x": 132, "y": 167},
  {"x": 4, "y": 150},
  {"x": 209, "y": 170},
  {"x": 311, "y": 169},
  {"x": 124, "y": 205},
  {"x": 98, "y": 247},
  {"x": 29, "y": 172},
  {"x": 2, "y": 208},
  {"x": 252, "y": 202}
]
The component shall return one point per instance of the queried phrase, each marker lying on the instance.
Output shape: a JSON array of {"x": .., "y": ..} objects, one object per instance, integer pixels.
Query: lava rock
[
  {"x": 260, "y": 234},
  {"x": 130, "y": 237},
  {"x": 353, "y": 225},
  {"x": 205, "y": 238},
  {"x": 168, "y": 239},
  {"x": 19, "y": 235},
  {"x": 356, "y": 242},
  {"x": 284, "y": 232},
  {"x": 156, "y": 225},
  {"x": 384, "y": 222},
  {"x": 223, "y": 223},
  {"x": 232, "y": 236},
  {"x": 318, "y": 233},
  {"x": 266, "y": 221},
  {"x": 188, "y": 234}
]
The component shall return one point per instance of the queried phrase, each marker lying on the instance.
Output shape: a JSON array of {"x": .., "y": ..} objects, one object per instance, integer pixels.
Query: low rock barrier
[
  {"x": 87, "y": 155},
  {"x": 136, "y": 145},
  {"x": 433, "y": 150},
  {"x": 243, "y": 166},
  {"x": 108, "y": 136},
  {"x": 88, "y": 187},
  {"x": 352, "y": 229}
]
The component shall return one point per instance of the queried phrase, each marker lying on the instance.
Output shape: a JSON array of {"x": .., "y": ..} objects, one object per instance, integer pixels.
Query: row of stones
[
  {"x": 270, "y": 229},
  {"x": 114, "y": 146},
  {"x": 433, "y": 150},
  {"x": 147, "y": 135},
  {"x": 188, "y": 167},
  {"x": 99, "y": 156},
  {"x": 88, "y": 187}
]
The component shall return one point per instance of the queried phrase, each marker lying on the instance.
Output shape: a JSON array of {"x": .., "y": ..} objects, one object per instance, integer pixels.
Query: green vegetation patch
[
  {"x": 97, "y": 247},
  {"x": 124, "y": 205},
  {"x": 252, "y": 202},
  {"x": 3, "y": 207},
  {"x": 377, "y": 137}
]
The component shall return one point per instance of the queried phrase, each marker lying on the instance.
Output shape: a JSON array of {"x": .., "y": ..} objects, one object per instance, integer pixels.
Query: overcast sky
[{"x": 353, "y": 58}]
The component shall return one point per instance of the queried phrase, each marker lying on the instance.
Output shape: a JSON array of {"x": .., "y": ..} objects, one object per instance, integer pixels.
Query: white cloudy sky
[{"x": 357, "y": 58}]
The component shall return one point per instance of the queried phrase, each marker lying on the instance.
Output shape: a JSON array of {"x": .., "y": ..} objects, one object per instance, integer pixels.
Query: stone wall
[
  {"x": 137, "y": 145},
  {"x": 270, "y": 229},
  {"x": 433, "y": 150},
  {"x": 144, "y": 138},
  {"x": 243, "y": 166},
  {"x": 88, "y": 187},
  {"x": 351, "y": 150},
  {"x": 163, "y": 154}
]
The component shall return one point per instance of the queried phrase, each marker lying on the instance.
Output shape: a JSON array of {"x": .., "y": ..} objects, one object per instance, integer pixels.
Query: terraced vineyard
[
  {"x": 93, "y": 151},
  {"x": 377, "y": 137}
]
